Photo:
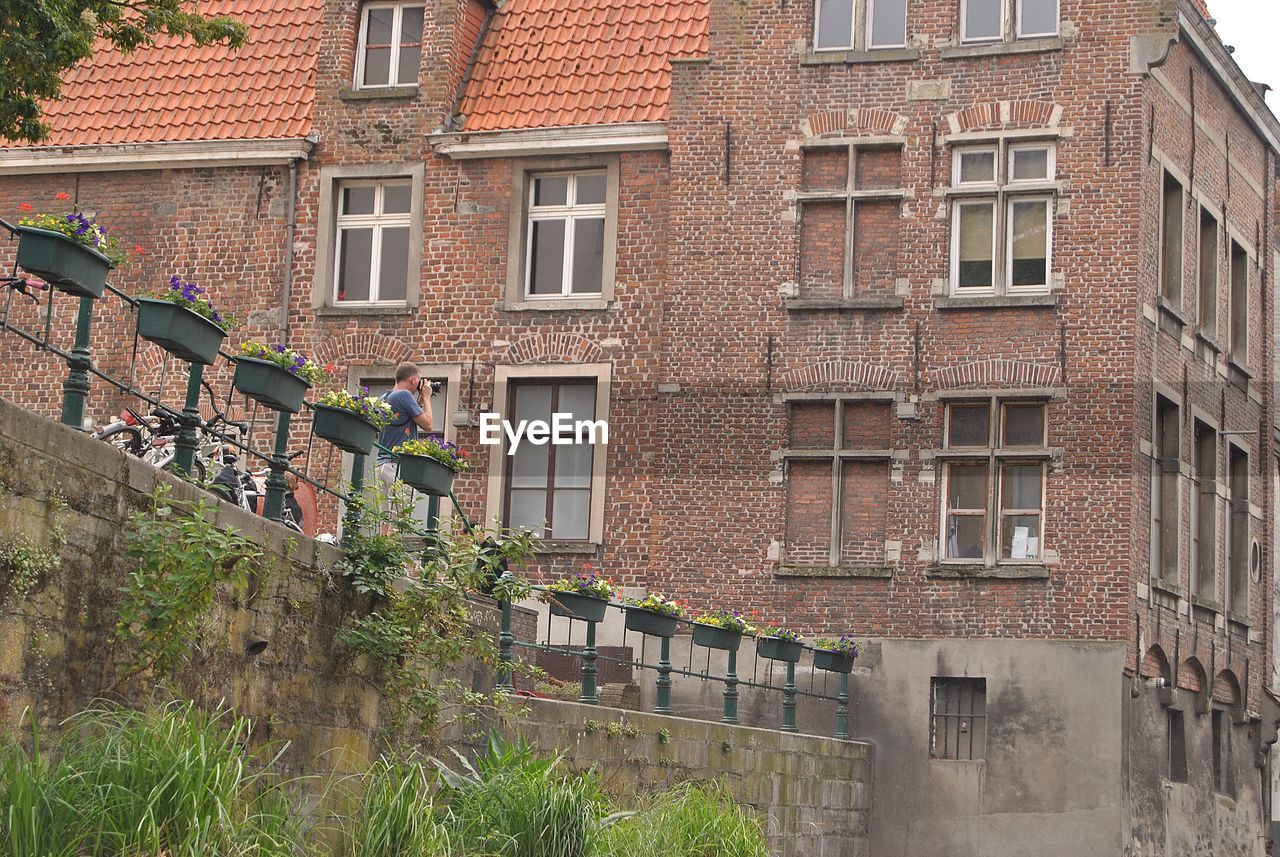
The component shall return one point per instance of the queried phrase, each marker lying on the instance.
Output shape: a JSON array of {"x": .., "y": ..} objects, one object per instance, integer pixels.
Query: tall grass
[
  {"x": 687, "y": 821},
  {"x": 394, "y": 816}
]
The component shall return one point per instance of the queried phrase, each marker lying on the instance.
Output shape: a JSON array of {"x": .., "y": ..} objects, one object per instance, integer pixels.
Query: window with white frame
[
  {"x": 1002, "y": 20},
  {"x": 842, "y": 25},
  {"x": 565, "y": 252},
  {"x": 373, "y": 228},
  {"x": 1002, "y": 219},
  {"x": 994, "y": 480},
  {"x": 390, "y": 48}
]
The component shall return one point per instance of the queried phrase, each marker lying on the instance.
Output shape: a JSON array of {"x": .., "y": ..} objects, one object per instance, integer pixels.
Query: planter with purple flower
[
  {"x": 276, "y": 376},
  {"x": 582, "y": 597},
  {"x": 350, "y": 421},
  {"x": 721, "y": 629},
  {"x": 780, "y": 644},
  {"x": 835, "y": 655},
  {"x": 70, "y": 252},
  {"x": 183, "y": 322},
  {"x": 429, "y": 465}
]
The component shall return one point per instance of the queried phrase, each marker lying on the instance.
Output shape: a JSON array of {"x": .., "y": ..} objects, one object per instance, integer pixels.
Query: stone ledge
[
  {"x": 867, "y": 304},
  {"x": 833, "y": 571},
  {"x": 995, "y": 302},
  {"x": 965, "y": 571},
  {"x": 340, "y": 311},
  {"x": 996, "y": 49},
  {"x": 380, "y": 94},
  {"x": 855, "y": 57}
]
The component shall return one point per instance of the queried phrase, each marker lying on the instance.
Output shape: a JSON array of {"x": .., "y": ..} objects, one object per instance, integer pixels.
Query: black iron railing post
[
  {"x": 505, "y": 642},
  {"x": 731, "y": 691},
  {"x": 351, "y": 520},
  {"x": 273, "y": 507},
  {"x": 842, "y": 709},
  {"x": 184, "y": 454},
  {"x": 789, "y": 700},
  {"x": 664, "y": 678},
  {"x": 76, "y": 388},
  {"x": 589, "y": 656}
]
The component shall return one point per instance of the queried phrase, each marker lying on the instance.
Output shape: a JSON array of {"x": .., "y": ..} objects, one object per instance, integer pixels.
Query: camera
[{"x": 434, "y": 386}]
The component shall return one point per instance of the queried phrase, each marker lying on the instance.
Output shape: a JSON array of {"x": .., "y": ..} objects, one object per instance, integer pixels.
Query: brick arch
[
  {"x": 1003, "y": 114},
  {"x": 553, "y": 348},
  {"x": 1155, "y": 664},
  {"x": 998, "y": 372},
  {"x": 364, "y": 347},
  {"x": 858, "y": 120},
  {"x": 834, "y": 375},
  {"x": 1191, "y": 675},
  {"x": 1226, "y": 688}
]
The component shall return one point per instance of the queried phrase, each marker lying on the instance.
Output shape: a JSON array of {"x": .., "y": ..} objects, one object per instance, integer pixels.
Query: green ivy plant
[
  {"x": 24, "y": 562},
  {"x": 420, "y": 626},
  {"x": 182, "y": 558}
]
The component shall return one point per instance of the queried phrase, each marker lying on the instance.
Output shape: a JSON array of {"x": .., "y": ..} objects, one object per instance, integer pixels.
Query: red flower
[
  {"x": 26, "y": 206},
  {"x": 62, "y": 195},
  {"x": 137, "y": 248}
]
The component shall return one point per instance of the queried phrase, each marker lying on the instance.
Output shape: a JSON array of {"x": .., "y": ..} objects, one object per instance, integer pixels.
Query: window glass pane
[
  {"x": 1021, "y": 538},
  {"x": 407, "y": 70},
  {"x": 381, "y": 20},
  {"x": 965, "y": 535},
  {"x": 1021, "y": 488},
  {"x": 358, "y": 199},
  {"x": 1030, "y": 164},
  {"x": 968, "y": 425},
  {"x": 1171, "y": 240},
  {"x": 551, "y": 190},
  {"x": 528, "y": 509},
  {"x": 1039, "y": 17},
  {"x": 411, "y": 25},
  {"x": 1208, "y": 272},
  {"x": 888, "y": 23},
  {"x": 533, "y": 402},
  {"x": 976, "y": 225},
  {"x": 377, "y": 67},
  {"x": 570, "y": 514},
  {"x": 1030, "y": 224},
  {"x": 530, "y": 465},
  {"x": 1024, "y": 425},
  {"x": 977, "y": 167},
  {"x": 397, "y": 198},
  {"x": 546, "y": 266},
  {"x": 1239, "y": 303},
  {"x": 588, "y": 255},
  {"x": 835, "y": 24},
  {"x": 355, "y": 248},
  {"x": 590, "y": 189},
  {"x": 579, "y": 400},
  {"x": 967, "y": 486},
  {"x": 393, "y": 279},
  {"x": 982, "y": 19},
  {"x": 573, "y": 465}
]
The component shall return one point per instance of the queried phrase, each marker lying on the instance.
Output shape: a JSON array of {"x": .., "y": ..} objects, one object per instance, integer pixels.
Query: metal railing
[
  {"x": 760, "y": 678},
  {"x": 82, "y": 368}
]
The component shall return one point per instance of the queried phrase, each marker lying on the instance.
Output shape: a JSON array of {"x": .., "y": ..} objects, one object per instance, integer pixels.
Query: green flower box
[
  {"x": 576, "y": 606},
  {"x": 348, "y": 431},
  {"x": 184, "y": 334},
  {"x": 425, "y": 474},
  {"x": 270, "y": 385},
  {"x": 61, "y": 262},
  {"x": 832, "y": 661},
  {"x": 651, "y": 623},
  {"x": 714, "y": 637},
  {"x": 778, "y": 649}
]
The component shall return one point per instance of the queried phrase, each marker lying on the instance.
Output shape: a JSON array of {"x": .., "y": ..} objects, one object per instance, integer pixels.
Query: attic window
[{"x": 390, "y": 46}]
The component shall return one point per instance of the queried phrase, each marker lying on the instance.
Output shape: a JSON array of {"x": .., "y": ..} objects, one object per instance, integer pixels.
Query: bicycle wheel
[{"x": 126, "y": 439}]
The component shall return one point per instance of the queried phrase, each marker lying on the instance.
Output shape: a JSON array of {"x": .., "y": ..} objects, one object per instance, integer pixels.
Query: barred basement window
[
  {"x": 959, "y": 715},
  {"x": 841, "y": 25},
  {"x": 390, "y": 48}
]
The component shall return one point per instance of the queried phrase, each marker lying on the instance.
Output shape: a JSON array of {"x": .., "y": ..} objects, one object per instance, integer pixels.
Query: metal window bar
[{"x": 959, "y": 718}]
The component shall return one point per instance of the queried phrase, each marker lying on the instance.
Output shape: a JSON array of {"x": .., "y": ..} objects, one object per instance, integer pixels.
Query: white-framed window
[
  {"x": 1002, "y": 20},
  {"x": 994, "y": 481},
  {"x": 843, "y": 25},
  {"x": 567, "y": 214},
  {"x": 373, "y": 229},
  {"x": 1002, "y": 219},
  {"x": 390, "y": 48}
]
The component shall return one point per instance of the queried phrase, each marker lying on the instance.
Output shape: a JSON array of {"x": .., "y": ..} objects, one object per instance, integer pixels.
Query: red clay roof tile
[
  {"x": 175, "y": 90},
  {"x": 549, "y": 63}
]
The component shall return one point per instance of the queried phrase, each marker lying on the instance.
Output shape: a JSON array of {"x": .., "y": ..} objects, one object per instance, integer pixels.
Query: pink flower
[{"x": 62, "y": 195}]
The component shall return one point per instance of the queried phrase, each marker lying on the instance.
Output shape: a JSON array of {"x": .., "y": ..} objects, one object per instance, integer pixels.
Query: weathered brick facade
[{"x": 738, "y": 318}]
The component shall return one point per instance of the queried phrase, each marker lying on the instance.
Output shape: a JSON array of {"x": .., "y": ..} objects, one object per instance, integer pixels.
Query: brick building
[{"x": 947, "y": 322}]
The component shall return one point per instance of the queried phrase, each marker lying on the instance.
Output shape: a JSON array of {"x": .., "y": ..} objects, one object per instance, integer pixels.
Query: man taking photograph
[{"x": 411, "y": 414}]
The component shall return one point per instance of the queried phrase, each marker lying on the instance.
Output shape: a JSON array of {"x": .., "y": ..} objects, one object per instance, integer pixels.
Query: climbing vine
[
  {"x": 25, "y": 562},
  {"x": 181, "y": 560}
]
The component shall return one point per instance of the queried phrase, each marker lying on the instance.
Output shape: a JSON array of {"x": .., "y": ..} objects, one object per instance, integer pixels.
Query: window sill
[
  {"x": 551, "y": 546},
  {"x": 996, "y": 49},
  {"x": 832, "y": 571},
  {"x": 1238, "y": 371},
  {"x": 366, "y": 310},
  {"x": 1238, "y": 620},
  {"x": 1208, "y": 342},
  {"x": 887, "y": 303},
  {"x": 1171, "y": 312},
  {"x": 1012, "y": 571},
  {"x": 855, "y": 57},
  {"x": 569, "y": 305},
  {"x": 1205, "y": 604},
  {"x": 380, "y": 94},
  {"x": 1168, "y": 588},
  {"x": 995, "y": 302}
]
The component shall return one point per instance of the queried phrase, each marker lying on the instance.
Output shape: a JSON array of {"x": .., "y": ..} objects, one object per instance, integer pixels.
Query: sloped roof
[
  {"x": 176, "y": 91},
  {"x": 551, "y": 63}
]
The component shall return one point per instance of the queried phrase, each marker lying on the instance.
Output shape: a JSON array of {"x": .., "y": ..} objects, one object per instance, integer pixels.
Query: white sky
[{"x": 1252, "y": 26}]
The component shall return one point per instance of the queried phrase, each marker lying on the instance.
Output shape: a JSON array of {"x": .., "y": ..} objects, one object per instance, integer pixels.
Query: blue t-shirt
[{"x": 405, "y": 407}]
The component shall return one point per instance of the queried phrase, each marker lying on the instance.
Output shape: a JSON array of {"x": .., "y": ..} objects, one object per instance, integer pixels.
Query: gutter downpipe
[{"x": 290, "y": 232}]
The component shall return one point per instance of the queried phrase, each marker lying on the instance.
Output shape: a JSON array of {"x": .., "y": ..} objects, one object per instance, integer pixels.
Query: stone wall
[{"x": 815, "y": 792}]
